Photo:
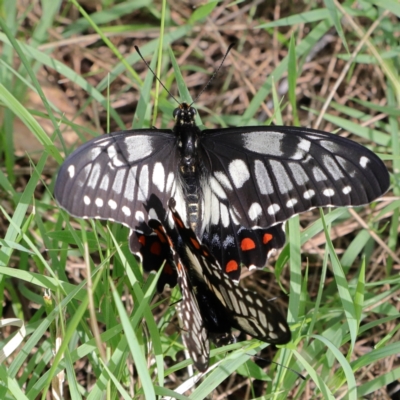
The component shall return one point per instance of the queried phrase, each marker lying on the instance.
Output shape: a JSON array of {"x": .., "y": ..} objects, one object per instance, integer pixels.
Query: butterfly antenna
[
  {"x": 215, "y": 73},
  {"x": 283, "y": 366},
  {"x": 155, "y": 75}
]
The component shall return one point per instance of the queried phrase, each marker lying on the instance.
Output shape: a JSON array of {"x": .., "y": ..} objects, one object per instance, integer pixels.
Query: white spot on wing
[
  {"x": 217, "y": 188},
  {"x": 291, "y": 202},
  {"x": 262, "y": 318},
  {"x": 266, "y": 143},
  {"x": 126, "y": 210},
  {"x": 233, "y": 215},
  {"x": 224, "y": 215},
  {"x": 104, "y": 182},
  {"x": 138, "y": 147},
  {"x": 113, "y": 154},
  {"x": 255, "y": 211},
  {"x": 364, "y": 161},
  {"x": 283, "y": 327},
  {"x": 86, "y": 200},
  {"x": 130, "y": 184},
  {"x": 113, "y": 204},
  {"x": 304, "y": 145},
  {"x": 214, "y": 210},
  {"x": 71, "y": 171},
  {"x": 303, "y": 148},
  {"x": 273, "y": 335},
  {"x": 94, "y": 152},
  {"x": 332, "y": 167},
  {"x": 139, "y": 216},
  {"x": 273, "y": 209},
  {"x": 99, "y": 202},
  {"x": 170, "y": 181},
  {"x": 318, "y": 174},
  {"x": 299, "y": 174},
  {"x": 281, "y": 176},
  {"x": 159, "y": 176},
  {"x": 111, "y": 151},
  {"x": 346, "y": 189},
  {"x": 143, "y": 189},
  {"x": 153, "y": 214},
  {"x": 94, "y": 175},
  {"x": 119, "y": 180},
  {"x": 328, "y": 192},
  {"x": 330, "y": 146},
  {"x": 83, "y": 175},
  {"x": 308, "y": 194},
  {"x": 239, "y": 172},
  {"x": 223, "y": 180},
  {"x": 262, "y": 177}
]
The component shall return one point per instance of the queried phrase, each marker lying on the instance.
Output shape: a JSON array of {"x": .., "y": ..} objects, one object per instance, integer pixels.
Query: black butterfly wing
[
  {"x": 246, "y": 311},
  {"x": 155, "y": 253},
  {"x": 235, "y": 246},
  {"x": 264, "y": 175},
  {"x": 113, "y": 177},
  {"x": 194, "y": 335}
]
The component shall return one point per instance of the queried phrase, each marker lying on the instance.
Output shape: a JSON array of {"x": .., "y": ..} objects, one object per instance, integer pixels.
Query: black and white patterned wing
[
  {"x": 114, "y": 177},
  {"x": 194, "y": 335},
  {"x": 155, "y": 253},
  {"x": 236, "y": 246},
  {"x": 244, "y": 310},
  {"x": 261, "y": 176},
  {"x": 194, "y": 332}
]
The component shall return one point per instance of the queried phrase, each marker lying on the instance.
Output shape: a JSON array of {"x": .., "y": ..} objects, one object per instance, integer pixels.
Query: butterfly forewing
[
  {"x": 114, "y": 176},
  {"x": 264, "y": 175}
]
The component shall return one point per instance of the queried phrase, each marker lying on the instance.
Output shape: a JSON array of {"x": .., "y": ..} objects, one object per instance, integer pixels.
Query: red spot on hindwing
[
  {"x": 168, "y": 269},
  {"x": 231, "y": 266},
  {"x": 195, "y": 243},
  {"x": 267, "y": 238},
  {"x": 161, "y": 235},
  {"x": 247, "y": 244},
  {"x": 178, "y": 221},
  {"x": 155, "y": 248},
  {"x": 142, "y": 240}
]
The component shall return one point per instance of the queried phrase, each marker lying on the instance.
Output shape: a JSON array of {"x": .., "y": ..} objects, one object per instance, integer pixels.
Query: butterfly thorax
[
  {"x": 188, "y": 134},
  {"x": 188, "y": 137}
]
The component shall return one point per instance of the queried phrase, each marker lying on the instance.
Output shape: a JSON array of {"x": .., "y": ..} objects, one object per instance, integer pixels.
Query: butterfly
[
  {"x": 212, "y": 304},
  {"x": 235, "y": 187}
]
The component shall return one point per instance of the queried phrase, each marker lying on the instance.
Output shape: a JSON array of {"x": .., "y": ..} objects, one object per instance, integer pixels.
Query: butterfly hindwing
[
  {"x": 248, "y": 311},
  {"x": 235, "y": 246},
  {"x": 212, "y": 304},
  {"x": 194, "y": 332},
  {"x": 155, "y": 253},
  {"x": 195, "y": 335}
]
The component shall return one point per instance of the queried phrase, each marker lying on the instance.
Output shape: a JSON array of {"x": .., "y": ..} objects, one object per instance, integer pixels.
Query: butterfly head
[{"x": 184, "y": 114}]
